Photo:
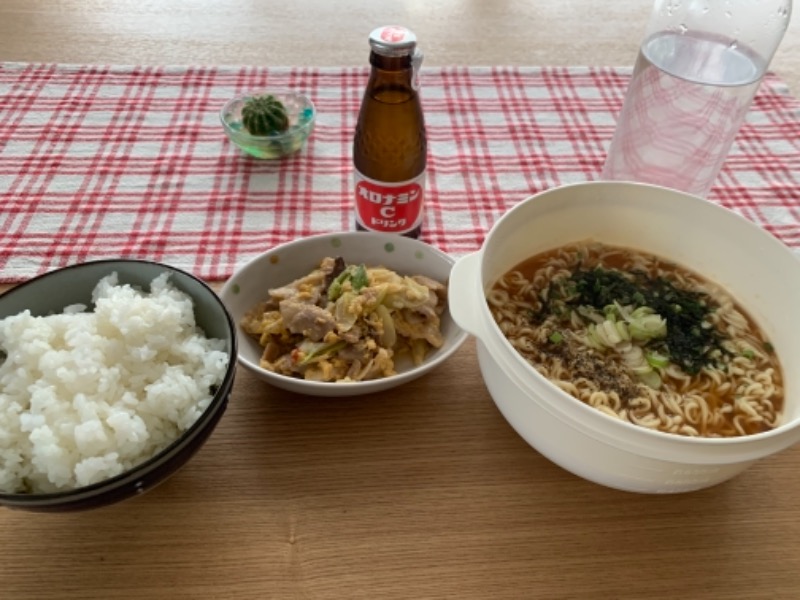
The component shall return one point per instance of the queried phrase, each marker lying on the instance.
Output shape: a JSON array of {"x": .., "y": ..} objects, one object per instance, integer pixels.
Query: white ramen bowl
[
  {"x": 761, "y": 273},
  {"x": 284, "y": 263}
]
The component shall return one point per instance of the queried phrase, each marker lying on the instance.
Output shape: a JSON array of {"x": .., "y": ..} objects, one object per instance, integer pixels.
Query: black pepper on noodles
[{"x": 596, "y": 369}]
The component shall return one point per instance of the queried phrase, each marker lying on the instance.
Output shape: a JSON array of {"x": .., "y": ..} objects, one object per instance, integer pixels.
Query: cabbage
[
  {"x": 389, "y": 337},
  {"x": 406, "y": 293},
  {"x": 313, "y": 351},
  {"x": 346, "y": 311}
]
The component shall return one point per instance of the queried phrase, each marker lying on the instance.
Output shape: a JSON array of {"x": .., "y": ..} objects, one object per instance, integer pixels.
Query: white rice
[{"x": 85, "y": 396}]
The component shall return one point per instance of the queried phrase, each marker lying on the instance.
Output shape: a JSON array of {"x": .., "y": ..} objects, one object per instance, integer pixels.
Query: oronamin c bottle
[{"x": 390, "y": 146}]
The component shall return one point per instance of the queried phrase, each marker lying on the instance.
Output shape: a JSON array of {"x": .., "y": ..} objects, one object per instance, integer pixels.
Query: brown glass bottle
[{"x": 390, "y": 147}]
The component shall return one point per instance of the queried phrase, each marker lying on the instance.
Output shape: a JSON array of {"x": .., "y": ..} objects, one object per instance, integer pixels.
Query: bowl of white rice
[{"x": 113, "y": 373}]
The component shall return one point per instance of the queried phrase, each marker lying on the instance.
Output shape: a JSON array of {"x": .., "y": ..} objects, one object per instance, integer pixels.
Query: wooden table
[{"x": 423, "y": 492}]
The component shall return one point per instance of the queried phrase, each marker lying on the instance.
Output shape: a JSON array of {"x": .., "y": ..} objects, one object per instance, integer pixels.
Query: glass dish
[{"x": 301, "y": 113}]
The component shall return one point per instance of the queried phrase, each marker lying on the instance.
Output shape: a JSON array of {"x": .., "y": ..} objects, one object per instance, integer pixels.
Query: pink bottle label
[{"x": 389, "y": 207}]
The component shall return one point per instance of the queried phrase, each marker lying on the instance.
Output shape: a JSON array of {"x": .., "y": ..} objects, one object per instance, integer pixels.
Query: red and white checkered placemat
[{"x": 99, "y": 162}]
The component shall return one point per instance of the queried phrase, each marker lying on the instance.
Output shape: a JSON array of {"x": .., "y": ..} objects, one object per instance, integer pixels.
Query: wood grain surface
[
  {"x": 422, "y": 492},
  {"x": 334, "y": 33}
]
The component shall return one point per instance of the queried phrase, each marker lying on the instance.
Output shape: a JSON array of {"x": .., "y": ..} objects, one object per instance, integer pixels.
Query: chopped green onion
[
  {"x": 651, "y": 379},
  {"x": 748, "y": 353},
  {"x": 656, "y": 360},
  {"x": 335, "y": 288},
  {"x": 556, "y": 337},
  {"x": 645, "y": 325},
  {"x": 360, "y": 278}
]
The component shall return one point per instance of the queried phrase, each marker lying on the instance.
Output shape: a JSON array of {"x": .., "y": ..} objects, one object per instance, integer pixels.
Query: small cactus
[{"x": 264, "y": 115}]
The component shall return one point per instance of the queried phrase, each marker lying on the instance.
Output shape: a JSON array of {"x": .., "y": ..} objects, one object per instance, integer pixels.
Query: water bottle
[{"x": 698, "y": 68}]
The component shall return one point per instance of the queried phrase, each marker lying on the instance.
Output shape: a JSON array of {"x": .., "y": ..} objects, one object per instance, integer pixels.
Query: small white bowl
[{"x": 283, "y": 264}]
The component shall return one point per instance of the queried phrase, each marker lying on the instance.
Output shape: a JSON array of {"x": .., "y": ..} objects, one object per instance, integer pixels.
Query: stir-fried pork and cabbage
[{"x": 347, "y": 322}]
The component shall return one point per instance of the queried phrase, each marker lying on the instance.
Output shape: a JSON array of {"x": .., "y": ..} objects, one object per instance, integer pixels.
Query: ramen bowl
[
  {"x": 761, "y": 274},
  {"x": 288, "y": 262}
]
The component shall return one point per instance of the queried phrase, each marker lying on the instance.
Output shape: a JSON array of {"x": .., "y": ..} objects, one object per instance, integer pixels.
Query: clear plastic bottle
[
  {"x": 390, "y": 145},
  {"x": 698, "y": 68}
]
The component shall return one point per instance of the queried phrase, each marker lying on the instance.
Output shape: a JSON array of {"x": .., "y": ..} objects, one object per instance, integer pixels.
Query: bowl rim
[
  {"x": 784, "y": 429},
  {"x": 217, "y": 402},
  {"x": 354, "y": 387},
  {"x": 298, "y": 128}
]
